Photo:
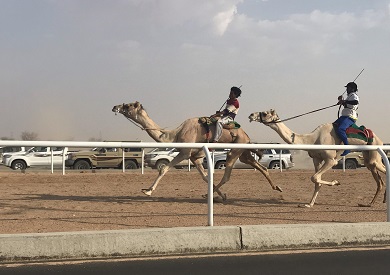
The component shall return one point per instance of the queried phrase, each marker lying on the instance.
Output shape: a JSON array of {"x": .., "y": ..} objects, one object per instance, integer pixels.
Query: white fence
[{"x": 206, "y": 147}]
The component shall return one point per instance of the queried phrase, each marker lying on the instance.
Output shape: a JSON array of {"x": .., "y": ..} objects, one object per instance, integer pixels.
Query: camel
[
  {"x": 324, "y": 134},
  {"x": 191, "y": 131}
]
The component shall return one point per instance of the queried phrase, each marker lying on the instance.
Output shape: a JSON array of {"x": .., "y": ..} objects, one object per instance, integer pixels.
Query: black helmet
[
  {"x": 236, "y": 91},
  {"x": 352, "y": 85}
]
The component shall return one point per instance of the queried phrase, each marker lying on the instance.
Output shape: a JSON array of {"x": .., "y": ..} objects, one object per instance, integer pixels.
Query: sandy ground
[{"x": 109, "y": 199}]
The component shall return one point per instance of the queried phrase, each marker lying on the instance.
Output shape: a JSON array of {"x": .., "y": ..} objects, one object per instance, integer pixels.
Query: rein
[
  {"x": 261, "y": 120},
  {"x": 142, "y": 128}
]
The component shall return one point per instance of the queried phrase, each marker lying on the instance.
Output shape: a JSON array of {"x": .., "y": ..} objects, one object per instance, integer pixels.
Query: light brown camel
[
  {"x": 324, "y": 134},
  {"x": 191, "y": 131}
]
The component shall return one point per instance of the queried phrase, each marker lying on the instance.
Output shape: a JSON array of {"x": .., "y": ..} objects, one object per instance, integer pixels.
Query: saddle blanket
[
  {"x": 361, "y": 133},
  {"x": 206, "y": 121}
]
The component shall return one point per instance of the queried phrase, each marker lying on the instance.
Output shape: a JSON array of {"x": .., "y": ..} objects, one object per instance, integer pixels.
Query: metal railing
[{"x": 206, "y": 147}]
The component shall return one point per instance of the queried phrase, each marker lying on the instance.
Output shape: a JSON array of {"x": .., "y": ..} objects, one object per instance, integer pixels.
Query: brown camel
[
  {"x": 191, "y": 131},
  {"x": 324, "y": 134}
]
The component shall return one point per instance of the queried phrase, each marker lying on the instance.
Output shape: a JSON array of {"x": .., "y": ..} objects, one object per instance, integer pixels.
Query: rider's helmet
[
  {"x": 236, "y": 91},
  {"x": 352, "y": 85}
]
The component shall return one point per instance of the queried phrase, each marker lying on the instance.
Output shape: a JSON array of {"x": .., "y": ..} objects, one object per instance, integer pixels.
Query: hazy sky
[{"x": 65, "y": 63}]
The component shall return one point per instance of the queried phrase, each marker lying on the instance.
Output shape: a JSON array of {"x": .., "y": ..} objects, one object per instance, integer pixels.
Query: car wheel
[
  {"x": 161, "y": 163},
  {"x": 275, "y": 165},
  {"x": 82, "y": 165},
  {"x": 220, "y": 165},
  {"x": 350, "y": 164},
  {"x": 18, "y": 165},
  {"x": 130, "y": 164}
]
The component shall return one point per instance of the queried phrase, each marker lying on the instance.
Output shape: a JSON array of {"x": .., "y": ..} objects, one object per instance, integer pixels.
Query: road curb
[
  {"x": 189, "y": 240},
  {"x": 306, "y": 236},
  {"x": 119, "y": 243}
]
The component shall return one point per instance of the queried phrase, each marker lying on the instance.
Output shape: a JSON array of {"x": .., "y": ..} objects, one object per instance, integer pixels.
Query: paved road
[{"x": 373, "y": 261}]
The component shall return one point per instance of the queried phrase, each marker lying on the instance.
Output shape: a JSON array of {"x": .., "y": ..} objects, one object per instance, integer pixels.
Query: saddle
[
  {"x": 207, "y": 121},
  {"x": 360, "y": 132}
]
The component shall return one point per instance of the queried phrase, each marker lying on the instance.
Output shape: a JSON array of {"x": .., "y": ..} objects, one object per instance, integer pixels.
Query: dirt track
[{"x": 108, "y": 199}]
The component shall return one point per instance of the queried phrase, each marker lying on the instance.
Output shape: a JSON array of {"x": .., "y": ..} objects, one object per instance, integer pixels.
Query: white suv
[
  {"x": 163, "y": 156},
  {"x": 271, "y": 159},
  {"x": 36, "y": 156}
]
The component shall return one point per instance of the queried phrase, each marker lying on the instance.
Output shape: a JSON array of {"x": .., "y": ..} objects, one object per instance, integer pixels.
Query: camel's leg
[
  {"x": 184, "y": 154},
  {"x": 247, "y": 158},
  {"x": 317, "y": 164},
  {"x": 316, "y": 179},
  {"x": 232, "y": 157},
  {"x": 373, "y": 162},
  {"x": 225, "y": 179},
  {"x": 379, "y": 185},
  {"x": 198, "y": 162}
]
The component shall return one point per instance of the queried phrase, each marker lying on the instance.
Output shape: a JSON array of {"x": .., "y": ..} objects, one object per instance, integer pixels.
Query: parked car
[
  {"x": 163, "y": 156},
  {"x": 22, "y": 151},
  {"x": 35, "y": 156},
  {"x": 352, "y": 161},
  {"x": 108, "y": 157},
  {"x": 270, "y": 159},
  {"x": 9, "y": 150}
]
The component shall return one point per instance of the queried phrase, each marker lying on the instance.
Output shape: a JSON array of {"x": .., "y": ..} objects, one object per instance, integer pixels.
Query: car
[
  {"x": 270, "y": 159},
  {"x": 35, "y": 156},
  {"x": 11, "y": 150},
  {"x": 22, "y": 151},
  {"x": 353, "y": 160},
  {"x": 106, "y": 157},
  {"x": 163, "y": 156}
]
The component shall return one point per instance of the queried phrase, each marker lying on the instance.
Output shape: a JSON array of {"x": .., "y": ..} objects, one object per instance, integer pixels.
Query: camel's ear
[
  {"x": 272, "y": 111},
  {"x": 136, "y": 104}
]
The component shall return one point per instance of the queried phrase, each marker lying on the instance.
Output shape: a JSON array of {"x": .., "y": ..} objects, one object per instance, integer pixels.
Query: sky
[{"x": 65, "y": 64}]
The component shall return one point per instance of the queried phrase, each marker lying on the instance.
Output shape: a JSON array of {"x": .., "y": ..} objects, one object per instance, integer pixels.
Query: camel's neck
[
  {"x": 153, "y": 129},
  {"x": 289, "y": 136}
]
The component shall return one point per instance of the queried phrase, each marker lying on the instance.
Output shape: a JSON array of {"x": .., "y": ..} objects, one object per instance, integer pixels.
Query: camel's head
[
  {"x": 264, "y": 117},
  {"x": 129, "y": 110}
]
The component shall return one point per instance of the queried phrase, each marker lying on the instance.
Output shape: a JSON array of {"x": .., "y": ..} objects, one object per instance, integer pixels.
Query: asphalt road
[{"x": 368, "y": 261}]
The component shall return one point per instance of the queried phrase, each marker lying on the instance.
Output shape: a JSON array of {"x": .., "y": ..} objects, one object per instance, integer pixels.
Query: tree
[{"x": 25, "y": 135}]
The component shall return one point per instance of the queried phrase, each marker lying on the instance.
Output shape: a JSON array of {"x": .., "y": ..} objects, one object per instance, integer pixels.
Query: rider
[
  {"x": 348, "y": 114},
  {"x": 229, "y": 113}
]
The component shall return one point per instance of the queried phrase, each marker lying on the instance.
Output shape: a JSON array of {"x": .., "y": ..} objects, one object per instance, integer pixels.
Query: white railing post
[
  {"x": 343, "y": 163},
  {"x": 51, "y": 160},
  {"x": 280, "y": 160},
  {"x": 210, "y": 193},
  {"x": 386, "y": 162},
  {"x": 142, "y": 160},
  {"x": 123, "y": 160},
  {"x": 63, "y": 159}
]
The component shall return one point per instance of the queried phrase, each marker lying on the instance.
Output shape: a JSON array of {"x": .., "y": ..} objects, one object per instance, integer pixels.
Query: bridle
[
  {"x": 136, "y": 117},
  {"x": 267, "y": 122}
]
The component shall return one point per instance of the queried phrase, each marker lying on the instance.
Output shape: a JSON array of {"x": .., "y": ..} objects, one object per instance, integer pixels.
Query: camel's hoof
[
  {"x": 147, "y": 192},
  {"x": 224, "y": 197},
  {"x": 336, "y": 182},
  {"x": 278, "y": 188},
  {"x": 218, "y": 200},
  {"x": 364, "y": 205},
  {"x": 304, "y": 205}
]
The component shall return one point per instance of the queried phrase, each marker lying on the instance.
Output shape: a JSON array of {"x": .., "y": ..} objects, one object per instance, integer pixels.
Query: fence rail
[{"x": 206, "y": 147}]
